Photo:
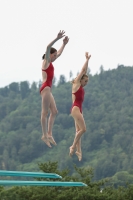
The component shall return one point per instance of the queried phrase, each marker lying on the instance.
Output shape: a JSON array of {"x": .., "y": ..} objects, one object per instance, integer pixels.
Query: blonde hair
[{"x": 84, "y": 75}]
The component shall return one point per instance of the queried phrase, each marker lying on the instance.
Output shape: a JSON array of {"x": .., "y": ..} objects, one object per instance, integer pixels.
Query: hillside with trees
[
  {"x": 95, "y": 190},
  {"x": 107, "y": 144}
]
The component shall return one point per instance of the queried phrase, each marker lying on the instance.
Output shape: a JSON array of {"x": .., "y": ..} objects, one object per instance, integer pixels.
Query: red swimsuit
[
  {"x": 79, "y": 98},
  {"x": 50, "y": 75}
]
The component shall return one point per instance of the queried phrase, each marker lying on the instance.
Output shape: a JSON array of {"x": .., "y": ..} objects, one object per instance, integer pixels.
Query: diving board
[
  {"x": 29, "y": 174},
  {"x": 40, "y": 183}
]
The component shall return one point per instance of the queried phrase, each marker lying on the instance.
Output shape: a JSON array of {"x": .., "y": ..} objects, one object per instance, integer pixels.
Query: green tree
[{"x": 62, "y": 79}]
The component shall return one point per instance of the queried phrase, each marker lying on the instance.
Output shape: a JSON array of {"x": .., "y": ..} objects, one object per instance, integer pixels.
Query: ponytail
[
  {"x": 52, "y": 50},
  {"x": 43, "y": 56}
]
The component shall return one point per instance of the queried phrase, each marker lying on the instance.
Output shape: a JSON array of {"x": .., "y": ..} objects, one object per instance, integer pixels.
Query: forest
[
  {"x": 95, "y": 190},
  {"x": 107, "y": 144}
]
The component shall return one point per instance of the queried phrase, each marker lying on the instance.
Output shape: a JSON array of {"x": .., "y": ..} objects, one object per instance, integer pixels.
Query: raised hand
[
  {"x": 87, "y": 55},
  {"x": 65, "y": 40},
  {"x": 60, "y": 34}
]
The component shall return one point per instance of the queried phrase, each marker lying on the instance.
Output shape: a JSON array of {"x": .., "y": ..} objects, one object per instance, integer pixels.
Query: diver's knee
[
  {"x": 83, "y": 130},
  {"x": 44, "y": 114},
  {"x": 54, "y": 112}
]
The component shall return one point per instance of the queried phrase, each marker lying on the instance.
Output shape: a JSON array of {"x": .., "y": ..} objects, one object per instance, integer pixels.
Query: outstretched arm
[
  {"x": 84, "y": 68},
  {"x": 59, "y": 36},
  {"x": 65, "y": 41}
]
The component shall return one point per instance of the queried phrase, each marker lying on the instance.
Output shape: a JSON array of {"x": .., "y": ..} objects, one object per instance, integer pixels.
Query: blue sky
[{"x": 102, "y": 27}]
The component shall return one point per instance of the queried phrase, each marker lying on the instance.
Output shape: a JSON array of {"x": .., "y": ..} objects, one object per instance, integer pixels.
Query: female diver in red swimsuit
[
  {"x": 76, "y": 111},
  {"x": 48, "y": 102}
]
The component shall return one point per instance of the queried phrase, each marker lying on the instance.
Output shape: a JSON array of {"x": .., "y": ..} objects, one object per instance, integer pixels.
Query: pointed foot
[
  {"x": 71, "y": 152},
  {"x": 45, "y": 139},
  {"x": 51, "y": 140},
  {"x": 79, "y": 155}
]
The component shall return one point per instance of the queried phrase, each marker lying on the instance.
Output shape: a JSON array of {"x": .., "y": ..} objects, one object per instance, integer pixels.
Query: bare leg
[
  {"x": 53, "y": 113},
  {"x": 79, "y": 151},
  {"x": 79, "y": 120},
  {"x": 45, "y": 107},
  {"x": 78, "y": 146}
]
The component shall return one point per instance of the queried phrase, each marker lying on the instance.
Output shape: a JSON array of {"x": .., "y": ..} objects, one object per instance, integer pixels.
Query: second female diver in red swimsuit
[
  {"x": 76, "y": 111},
  {"x": 48, "y": 102}
]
